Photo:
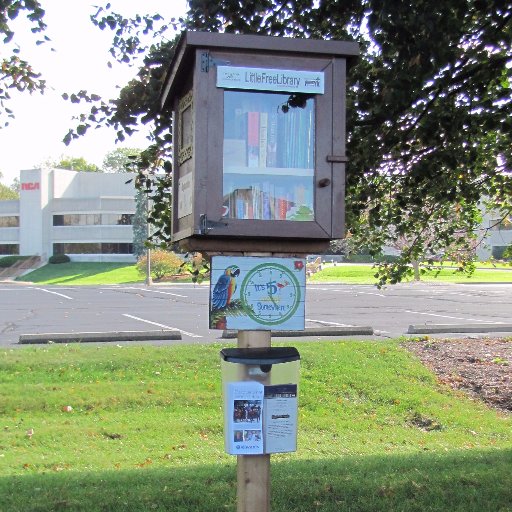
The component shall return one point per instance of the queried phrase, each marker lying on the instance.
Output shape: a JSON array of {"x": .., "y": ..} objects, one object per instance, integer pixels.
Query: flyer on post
[
  {"x": 244, "y": 435},
  {"x": 280, "y": 418}
]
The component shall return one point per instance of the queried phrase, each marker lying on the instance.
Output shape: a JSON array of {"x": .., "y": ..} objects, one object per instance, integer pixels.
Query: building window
[
  {"x": 501, "y": 224},
  {"x": 117, "y": 219},
  {"x": 116, "y": 248},
  {"x": 10, "y": 221},
  {"x": 498, "y": 251},
  {"x": 93, "y": 219},
  {"x": 93, "y": 248},
  {"x": 9, "y": 249}
]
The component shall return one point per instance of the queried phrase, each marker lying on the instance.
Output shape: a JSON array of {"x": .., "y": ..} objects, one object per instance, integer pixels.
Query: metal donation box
[
  {"x": 259, "y": 142},
  {"x": 259, "y": 388}
]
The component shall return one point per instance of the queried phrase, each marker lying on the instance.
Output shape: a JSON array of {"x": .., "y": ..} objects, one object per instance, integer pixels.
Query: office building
[{"x": 86, "y": 215}]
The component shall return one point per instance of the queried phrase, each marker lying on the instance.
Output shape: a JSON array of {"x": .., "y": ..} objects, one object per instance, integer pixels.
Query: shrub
[
  {"x": 59, "y": 258},
  {"x": 163, "y": 263},
  {"x": 8, "y": 261}
]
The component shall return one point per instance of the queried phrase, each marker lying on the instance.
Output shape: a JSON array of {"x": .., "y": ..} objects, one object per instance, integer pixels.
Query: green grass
[
  {"x": 351, "y": 274},
  {"x": 123, "y": 273},
  {"x": 489, "y": 264},
  {"x": 145, "y": 433},
  {"x": 364, "y": 274},
  {"x": 75, "y": 273}
]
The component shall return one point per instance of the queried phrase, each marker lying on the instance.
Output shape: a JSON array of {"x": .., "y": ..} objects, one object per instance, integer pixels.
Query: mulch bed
[{"x": 480, "y": 367}]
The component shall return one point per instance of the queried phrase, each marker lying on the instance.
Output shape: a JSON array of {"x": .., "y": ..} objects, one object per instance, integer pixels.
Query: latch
[{"x": 337, "y": 159}]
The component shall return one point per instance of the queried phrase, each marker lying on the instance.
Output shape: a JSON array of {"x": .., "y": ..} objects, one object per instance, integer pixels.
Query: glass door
[{"x": 268, "y": 156}]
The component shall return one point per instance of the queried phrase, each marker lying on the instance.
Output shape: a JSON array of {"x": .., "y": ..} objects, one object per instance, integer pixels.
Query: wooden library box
[{"x": 259, "y": 142}]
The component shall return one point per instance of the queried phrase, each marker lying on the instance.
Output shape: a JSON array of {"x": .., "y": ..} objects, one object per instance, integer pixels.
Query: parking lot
[{"x": 28, "y": 309}]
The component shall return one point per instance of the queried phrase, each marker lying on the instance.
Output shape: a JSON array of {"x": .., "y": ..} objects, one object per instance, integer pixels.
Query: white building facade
[
  {"x": 88, "y": 216},
  {"x": 85, "y": 215},
  {"x": 497, "y": 236}
]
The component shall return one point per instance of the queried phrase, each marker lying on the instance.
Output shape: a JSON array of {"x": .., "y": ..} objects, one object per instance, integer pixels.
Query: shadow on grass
[{"x": 470, "y": 480}]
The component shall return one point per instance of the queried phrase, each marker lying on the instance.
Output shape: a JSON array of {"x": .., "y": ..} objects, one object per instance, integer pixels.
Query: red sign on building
[{"x": 30, "y": 186}]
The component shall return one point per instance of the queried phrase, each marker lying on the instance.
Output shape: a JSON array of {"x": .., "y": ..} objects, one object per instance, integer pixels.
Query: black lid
[{"x": 261, "y": 356}]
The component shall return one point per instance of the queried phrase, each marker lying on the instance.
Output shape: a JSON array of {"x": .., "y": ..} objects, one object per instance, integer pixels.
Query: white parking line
[
  {"x": 472, "y": 295},
  {"x": 164, "y": 326},
  {"x": 452, "y": 317},
  {"x": 54, "y": 293},
  {"x": 351, "y": 291},
  {"x": 158, "y": 291},
  {"x": 168, "y": 293},
  {"x": 335, "y": 324}
]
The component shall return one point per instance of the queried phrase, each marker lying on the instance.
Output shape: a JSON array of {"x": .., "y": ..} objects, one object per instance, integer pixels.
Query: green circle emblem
[{"x": 270, "y": 294}]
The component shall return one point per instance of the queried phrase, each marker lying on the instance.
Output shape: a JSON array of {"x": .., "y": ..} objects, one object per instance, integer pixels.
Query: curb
[
  {"x": 441, "y": 328},
  {"x": 89, "y": 337},
  {"x": 320, "y": 331}
]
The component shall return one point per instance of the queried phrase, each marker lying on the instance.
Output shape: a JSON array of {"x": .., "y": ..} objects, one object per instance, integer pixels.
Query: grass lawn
[
  {"x": 145, "y": 433},
  {"x": 364, "y": 274},
  {"x": 85, "y": 273},
  {"x": 122, "y": 273}
]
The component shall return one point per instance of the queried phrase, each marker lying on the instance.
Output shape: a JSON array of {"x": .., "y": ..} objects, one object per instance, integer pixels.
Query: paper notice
[
  {"x": 280, "y": 418},
  {"x": 245, "y": 407}
]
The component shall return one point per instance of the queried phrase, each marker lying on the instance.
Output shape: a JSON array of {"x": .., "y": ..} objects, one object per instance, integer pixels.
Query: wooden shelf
[{"x": 271, "y": 171}]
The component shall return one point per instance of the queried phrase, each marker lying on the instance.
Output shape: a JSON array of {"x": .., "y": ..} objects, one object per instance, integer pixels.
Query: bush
[
  {"x": 163, "y": 263},
  {"x": 59, "y": 258},
  {"x": 8, "y": 261},
  {"x": 507, "y": 253}
]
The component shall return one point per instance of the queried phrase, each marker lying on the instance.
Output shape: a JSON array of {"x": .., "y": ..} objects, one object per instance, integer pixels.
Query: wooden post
[{"x": 253, "y": 471}]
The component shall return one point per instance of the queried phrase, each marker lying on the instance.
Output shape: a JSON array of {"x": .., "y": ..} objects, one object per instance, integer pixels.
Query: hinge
[
  {"x": 206, "y": 225},
  {"x": 207, "y": 62}
]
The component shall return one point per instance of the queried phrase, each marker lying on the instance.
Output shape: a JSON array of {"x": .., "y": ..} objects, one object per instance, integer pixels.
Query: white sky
[{"x": 79, "y": 62}]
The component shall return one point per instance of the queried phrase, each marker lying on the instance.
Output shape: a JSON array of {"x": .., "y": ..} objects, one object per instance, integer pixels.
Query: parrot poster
[
  {"x": 225, "y": 288},
  {"x": 262, "y": 293}
]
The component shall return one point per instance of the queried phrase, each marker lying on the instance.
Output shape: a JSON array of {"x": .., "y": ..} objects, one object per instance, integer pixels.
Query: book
[
  {"x": 265, "y": 206},
  {"x": 263, "y": 138},
  {"x": 272, "y": 140},
  {"x": 253, "y": 139}
]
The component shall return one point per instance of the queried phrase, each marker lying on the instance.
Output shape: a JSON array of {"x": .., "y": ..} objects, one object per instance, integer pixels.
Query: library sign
[{"x": 262, "y": 79}]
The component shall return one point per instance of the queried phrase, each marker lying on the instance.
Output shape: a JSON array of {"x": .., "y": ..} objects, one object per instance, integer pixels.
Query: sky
[{"x": 78, "y": 62}]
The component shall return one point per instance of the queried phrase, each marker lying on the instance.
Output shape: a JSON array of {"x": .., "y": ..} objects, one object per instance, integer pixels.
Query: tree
[
  {"x": 120, "y": 160},
  {"x": 6, "y": 192},
  {"x": 428, "y": 108},
  {"x": 15, "y": 72},
  {"x": 76, "y": 164},
  {"x": 163, "y": 263},
  {"x": 16, "y": 185}
]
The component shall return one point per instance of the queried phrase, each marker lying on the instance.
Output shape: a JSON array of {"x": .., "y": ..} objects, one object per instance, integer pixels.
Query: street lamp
[{"x": 149, "y": 281}]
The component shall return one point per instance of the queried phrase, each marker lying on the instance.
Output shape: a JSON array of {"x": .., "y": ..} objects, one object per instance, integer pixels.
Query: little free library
[{"x": 259, "y": 142}]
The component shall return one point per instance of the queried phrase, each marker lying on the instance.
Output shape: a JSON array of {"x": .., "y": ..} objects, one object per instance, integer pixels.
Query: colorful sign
[
  {"x": 250, "y": 293},
  {"x": 264, "y": 79}
]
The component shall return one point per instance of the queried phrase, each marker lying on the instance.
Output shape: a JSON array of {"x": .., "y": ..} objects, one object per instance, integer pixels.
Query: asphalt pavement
[{"x": 178, "y": 313}]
